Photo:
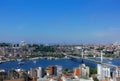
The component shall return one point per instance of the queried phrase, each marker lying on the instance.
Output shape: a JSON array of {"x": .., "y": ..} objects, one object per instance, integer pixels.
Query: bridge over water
[{"x": 91, "y": 60}]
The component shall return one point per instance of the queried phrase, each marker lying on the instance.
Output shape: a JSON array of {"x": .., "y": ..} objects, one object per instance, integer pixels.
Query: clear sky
[{"x": 60, "y": 21}]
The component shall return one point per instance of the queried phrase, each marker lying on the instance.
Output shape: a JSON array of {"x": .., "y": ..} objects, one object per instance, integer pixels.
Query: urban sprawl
[{"x": 24, "y": 51}]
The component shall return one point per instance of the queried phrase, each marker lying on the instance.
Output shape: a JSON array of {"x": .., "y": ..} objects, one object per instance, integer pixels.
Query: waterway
[{"x": 65, "y": 63}]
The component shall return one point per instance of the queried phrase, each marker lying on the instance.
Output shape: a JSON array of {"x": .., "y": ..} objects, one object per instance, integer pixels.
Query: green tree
[
  {"x": 93, "y": 71},
  {"x": 65, "y": 70},
  {"x": 1, "y": 78},
  {"x": 95, "y": 79}
]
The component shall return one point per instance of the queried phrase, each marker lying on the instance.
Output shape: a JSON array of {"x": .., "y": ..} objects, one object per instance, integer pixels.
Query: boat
[
  {"x": 2, "y": 62},
  {"x": 110, "y": 62},
  {"x": 21, "y": 63},
  {"x": 111, "y": 59},
  {"x": 19, "y": 60},
  {"x": 34, "y": 61}
]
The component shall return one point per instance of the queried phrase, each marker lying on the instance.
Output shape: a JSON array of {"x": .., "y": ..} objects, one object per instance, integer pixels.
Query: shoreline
[{"x": 42, "y": 62}]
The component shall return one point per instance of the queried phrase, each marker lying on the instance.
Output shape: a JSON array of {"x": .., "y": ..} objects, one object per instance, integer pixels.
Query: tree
[
  {"x": 93, "y": 71},
  {"x": 65, "y": 70},
  {"x": 1, "y": 78},
  {"x": 95, "y": 79}
]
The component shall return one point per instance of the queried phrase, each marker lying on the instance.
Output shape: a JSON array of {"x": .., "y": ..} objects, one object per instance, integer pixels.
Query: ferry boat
[
  {"x": 2, "y": 61},
  {"x": 21, "y": 63},
  {"x": 111, "y": 59},
  {"x": 34, "y": 61},
  {"x": 19, "y": 60}
]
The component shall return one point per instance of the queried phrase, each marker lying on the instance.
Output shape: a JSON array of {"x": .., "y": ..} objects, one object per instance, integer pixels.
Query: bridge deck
[{"x": 92, "y": 60}]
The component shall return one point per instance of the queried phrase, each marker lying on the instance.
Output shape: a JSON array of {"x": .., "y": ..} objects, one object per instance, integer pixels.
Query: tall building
[
  {"x": 50, "y": 70},
  {"x": 84, "y": 71},
  {"x": 116, "y": 74},
  {"x": 76, "y": 72},
  {"x": 103, "y": 71},
  {"x": 54, "y": 70},
  {"x": 33, "y": 72},
  {"x": 58, "y": 70},
  {"x": 40, "y": 72}
]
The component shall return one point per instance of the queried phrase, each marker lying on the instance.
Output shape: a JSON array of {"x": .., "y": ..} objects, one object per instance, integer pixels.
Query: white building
[
  {"x": 59, "y": 70},
  {"x": 116, "y": 74},
  {"x": 103, "y": 71},
  {"x": 22, "y": 44},
  {"x": 39, "y": 72},
  {"x": 84, "y": 71}
]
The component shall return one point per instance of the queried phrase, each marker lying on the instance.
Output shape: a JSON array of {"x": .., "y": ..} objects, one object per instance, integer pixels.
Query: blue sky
[{"x": 60, "y": 21}]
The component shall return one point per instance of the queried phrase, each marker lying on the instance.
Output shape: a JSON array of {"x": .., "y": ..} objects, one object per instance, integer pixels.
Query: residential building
[
  {"x": 84, "y": 71},
  {"x": 103, "y": 71}
]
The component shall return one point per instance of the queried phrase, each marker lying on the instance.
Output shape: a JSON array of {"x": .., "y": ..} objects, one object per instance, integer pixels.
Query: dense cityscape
[{"x": 23, "y": 51}]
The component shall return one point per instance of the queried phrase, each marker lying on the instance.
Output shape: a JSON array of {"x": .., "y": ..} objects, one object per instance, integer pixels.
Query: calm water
[{"x": 65, "y": 63}]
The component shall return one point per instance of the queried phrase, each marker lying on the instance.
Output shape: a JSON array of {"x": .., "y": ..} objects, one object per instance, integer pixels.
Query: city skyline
[{"x": 60, "y": 21}]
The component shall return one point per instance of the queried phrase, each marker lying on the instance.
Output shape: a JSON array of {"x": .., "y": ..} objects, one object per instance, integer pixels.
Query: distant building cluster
[{"x": 24, "y": 50}]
